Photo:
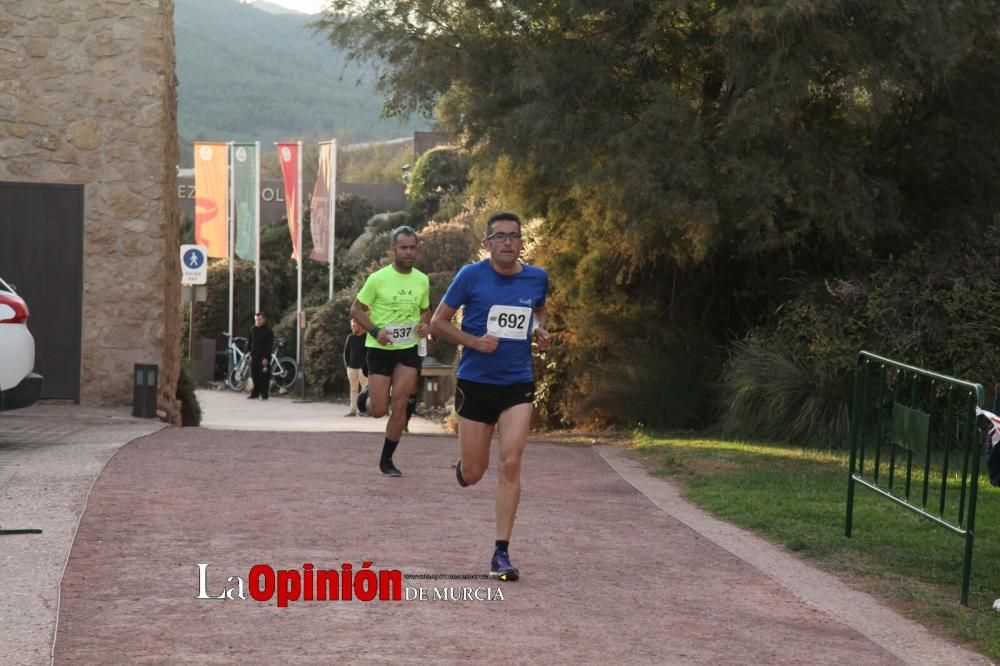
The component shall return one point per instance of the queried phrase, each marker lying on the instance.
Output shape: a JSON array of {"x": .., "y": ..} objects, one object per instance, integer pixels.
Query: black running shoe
[
  {"x": 458, "y": 474},
  {"x": 411, "y": 408},
  {"x": 389, "y": 469},
  {"x": 363, "y": 401}
]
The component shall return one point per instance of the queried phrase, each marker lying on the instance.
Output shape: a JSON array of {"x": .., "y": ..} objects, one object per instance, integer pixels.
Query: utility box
[
  {"x": 144, "y": 382},
  {"x": 203, "y": 361},
  {"x": 436, "y": 382}
]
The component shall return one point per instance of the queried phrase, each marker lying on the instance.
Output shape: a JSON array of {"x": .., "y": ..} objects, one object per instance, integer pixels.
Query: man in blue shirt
[{"x": 504, "y": 307}]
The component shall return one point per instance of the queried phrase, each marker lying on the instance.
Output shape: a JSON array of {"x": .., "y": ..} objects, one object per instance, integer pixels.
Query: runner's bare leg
[
  {"x": 514, "y": 425},
  {"x": 474, "y": 448},
  {"x": 404, "y": 384}
]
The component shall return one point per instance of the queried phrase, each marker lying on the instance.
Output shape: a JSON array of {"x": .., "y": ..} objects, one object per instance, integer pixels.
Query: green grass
[{"x": 797, "y": 498}]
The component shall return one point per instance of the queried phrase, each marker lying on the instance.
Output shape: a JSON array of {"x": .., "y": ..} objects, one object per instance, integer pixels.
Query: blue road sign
[{"x": 194, "y": 258}]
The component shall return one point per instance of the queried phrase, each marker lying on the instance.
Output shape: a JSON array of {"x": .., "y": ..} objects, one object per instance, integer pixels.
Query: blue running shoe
[
  {"x": 501, "y": 568},
  {"x": 363, "y": 401}
]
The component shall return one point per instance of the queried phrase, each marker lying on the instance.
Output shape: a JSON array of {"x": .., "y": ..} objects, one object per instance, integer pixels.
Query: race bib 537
[{"x": 401, "y": 333}]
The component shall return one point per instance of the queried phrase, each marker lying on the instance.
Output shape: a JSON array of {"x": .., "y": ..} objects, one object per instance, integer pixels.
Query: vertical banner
[
  {"x": 320, "y": 214},
  {"x": 333, "y": 214},
  {"x": 211, "y": 185},
  {"x": 246, "y": 185},
  {"x": 288, "y": 155}
]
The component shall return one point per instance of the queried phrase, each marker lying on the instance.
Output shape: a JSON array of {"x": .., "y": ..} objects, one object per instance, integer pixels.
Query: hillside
[
  {"x": 271, "y": 8},
  {"x": 247, "y": 74}
]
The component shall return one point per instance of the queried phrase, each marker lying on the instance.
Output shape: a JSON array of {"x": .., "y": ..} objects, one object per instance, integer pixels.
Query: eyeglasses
[{"x": 502, "y": 236}]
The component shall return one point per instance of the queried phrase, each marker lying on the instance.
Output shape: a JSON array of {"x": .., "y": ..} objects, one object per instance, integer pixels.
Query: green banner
[{"x": 246, "y": 185}]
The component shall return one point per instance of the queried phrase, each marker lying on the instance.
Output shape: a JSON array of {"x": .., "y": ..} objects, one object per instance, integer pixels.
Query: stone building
[{"x": 88, "y": 101}]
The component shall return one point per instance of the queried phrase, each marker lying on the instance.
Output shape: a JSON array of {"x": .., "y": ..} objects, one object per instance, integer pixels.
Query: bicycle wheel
[
  {"x": 289, "y": 371},
  {"x": 238, "y": 376}
]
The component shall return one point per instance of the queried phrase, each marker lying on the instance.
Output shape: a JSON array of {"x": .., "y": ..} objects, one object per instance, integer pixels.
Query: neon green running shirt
[{"x": 395, "y": 300}]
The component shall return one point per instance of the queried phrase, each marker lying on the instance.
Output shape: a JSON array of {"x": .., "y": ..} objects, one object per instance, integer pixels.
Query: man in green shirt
[{"x": 394, "y": 307}]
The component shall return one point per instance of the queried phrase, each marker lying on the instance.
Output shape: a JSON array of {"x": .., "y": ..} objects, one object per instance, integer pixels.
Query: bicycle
[
  {"x": 283, "y": 369},
  {"x": 237, "y": 360}
]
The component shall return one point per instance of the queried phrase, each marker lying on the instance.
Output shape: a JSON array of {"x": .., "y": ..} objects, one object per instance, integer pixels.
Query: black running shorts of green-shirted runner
[{"x": 384, "y": 361}]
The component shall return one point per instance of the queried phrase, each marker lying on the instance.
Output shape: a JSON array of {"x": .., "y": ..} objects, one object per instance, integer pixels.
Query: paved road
[
  {"x": 226, "y": 410},
  {"x": 617, "y": 567}
]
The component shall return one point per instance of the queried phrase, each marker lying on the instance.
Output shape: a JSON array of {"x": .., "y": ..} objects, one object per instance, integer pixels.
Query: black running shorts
[
  {"x": 383, "y": 361},
  {"x": 485, "y": 402}
]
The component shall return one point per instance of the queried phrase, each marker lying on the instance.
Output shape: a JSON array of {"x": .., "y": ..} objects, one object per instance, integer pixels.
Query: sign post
[
  {"x": 194, "y": 265},
  {"x": 194, "y": 271}
]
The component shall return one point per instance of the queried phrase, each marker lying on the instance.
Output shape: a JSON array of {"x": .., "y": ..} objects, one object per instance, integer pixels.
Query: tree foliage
[
  {"x": 690, "y": 158},
  {"x": 439, "y": 172}
]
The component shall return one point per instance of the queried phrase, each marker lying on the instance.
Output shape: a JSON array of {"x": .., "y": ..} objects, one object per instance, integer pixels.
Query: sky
[{"x": 307, "y": 6}]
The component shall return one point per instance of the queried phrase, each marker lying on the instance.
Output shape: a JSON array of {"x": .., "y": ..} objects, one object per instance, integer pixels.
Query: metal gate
[{"x": 912, "y": 429}]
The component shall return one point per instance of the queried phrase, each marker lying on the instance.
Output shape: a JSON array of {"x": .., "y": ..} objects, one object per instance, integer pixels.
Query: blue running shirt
[{"x": 506, "y": 303}]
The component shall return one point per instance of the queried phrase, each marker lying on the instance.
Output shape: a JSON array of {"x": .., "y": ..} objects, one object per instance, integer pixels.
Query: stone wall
[{"x": 88, "y": 96}]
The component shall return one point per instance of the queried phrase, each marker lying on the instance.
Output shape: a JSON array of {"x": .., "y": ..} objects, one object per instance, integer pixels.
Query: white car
[{"x": 19, "y": 386}]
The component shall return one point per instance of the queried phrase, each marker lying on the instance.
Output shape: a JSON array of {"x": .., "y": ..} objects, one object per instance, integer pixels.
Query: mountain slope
[
  {"x": 246, "y": 74},
  {"x": 273, "y": 8}
]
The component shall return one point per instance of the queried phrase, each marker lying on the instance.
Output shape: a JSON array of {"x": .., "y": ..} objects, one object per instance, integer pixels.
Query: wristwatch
[{"x": 374, "y": 332}]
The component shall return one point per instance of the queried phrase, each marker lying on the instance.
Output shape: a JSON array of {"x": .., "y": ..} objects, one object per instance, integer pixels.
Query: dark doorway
[{"x": 41, "y": 254}]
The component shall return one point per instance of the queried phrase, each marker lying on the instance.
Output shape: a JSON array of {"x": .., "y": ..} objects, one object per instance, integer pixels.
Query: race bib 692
[{"x": 509, "y": 321}]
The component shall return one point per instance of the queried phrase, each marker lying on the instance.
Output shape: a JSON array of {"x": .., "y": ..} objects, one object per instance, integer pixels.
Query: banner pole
[
  {"x": 256, "y": 214},
  {"x": 231, "y": 245},
  {"x": 298, "y": 309}
]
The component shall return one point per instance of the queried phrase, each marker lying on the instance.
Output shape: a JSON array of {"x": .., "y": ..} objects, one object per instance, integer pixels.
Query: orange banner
[
  {"x": 288, "y": 155},
  {"x": 211, "y": 204}
]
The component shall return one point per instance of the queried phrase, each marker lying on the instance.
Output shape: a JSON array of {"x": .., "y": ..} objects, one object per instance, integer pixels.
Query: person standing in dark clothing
[
  {"x": 261, "y": 347},
  {"x": 354, "y": 361}
]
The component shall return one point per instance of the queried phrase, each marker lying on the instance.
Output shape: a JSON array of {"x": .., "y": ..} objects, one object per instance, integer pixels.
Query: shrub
[
  {"x": 935, "y": 308},
  {"x": 285, "y": 328},
  {"x": 657, "y": 388},
  {"x": 190, "y": 408},
  {"x": 445, "y": 247},
  {"x": 771, "y": 395},
  {"x": 353, "y": 213},
  {"x": 374, "y": 256},
  {"x": 443, "y": 351},
  {"x": 329, "y": 326},
  {"x": 439, "y": 172},
  {"x": 386, "y": 222}
]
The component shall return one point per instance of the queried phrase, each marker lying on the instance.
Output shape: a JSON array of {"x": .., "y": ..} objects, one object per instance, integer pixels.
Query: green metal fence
[{"x": 915, "y": 439}]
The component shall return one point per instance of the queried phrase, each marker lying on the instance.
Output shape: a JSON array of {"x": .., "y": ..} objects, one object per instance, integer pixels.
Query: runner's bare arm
[
  {"x": 544, "y": 338},
  {"x": 441, "y": 327},
  {"x": 359, "y": 311},
  {"x": 424, "y": 327}
]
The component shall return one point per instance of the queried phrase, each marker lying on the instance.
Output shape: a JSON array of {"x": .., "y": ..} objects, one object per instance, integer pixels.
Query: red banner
[{"x": 288, "y": 155}]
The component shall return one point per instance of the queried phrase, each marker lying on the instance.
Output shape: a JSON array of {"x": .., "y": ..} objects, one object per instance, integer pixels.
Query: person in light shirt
[{"x": 394, "y": 307}]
